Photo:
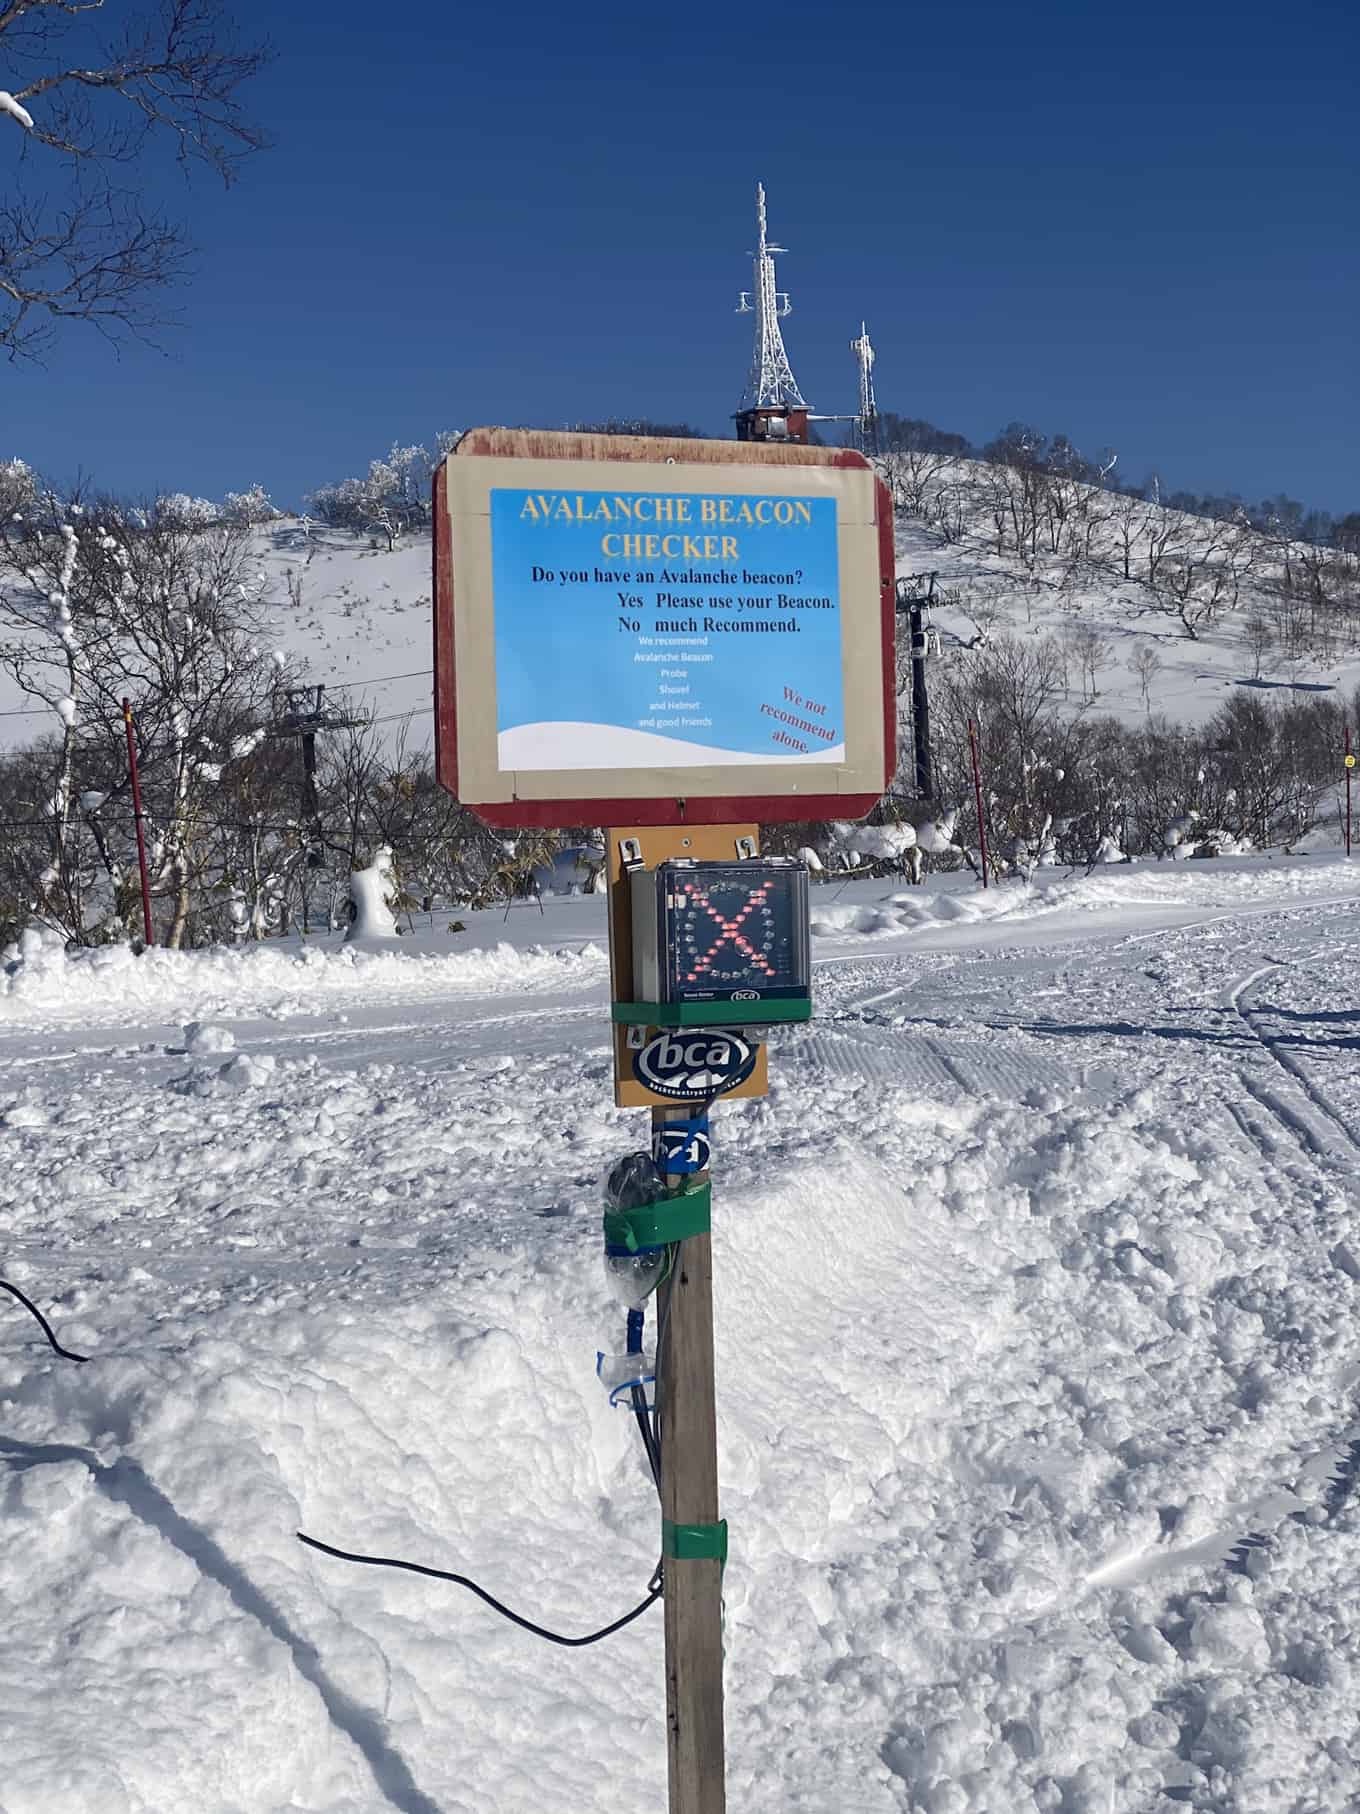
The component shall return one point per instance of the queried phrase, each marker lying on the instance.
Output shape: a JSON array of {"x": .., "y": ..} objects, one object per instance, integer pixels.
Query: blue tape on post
[{"x": 682, "y": 1147}]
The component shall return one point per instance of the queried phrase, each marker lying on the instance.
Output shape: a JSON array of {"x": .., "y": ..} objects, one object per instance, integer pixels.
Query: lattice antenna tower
[
  {"x": 863, "y": 350},
  {"x": 771, "y": 384}
]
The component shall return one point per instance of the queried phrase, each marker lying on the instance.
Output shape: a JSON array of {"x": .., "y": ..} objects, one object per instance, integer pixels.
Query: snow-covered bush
[
  {"x": 1257, "y": 770},
  {"x": 1214, "y": 841},
  {"x": 874, "y": 843},
  {"x": 936, "y": 836},
  {"x": 890, "y": 847},
  {"x": 575, "y": 869},
  {"x": 1178, "y": 831},
  {"x": 1023, "y": 855}
]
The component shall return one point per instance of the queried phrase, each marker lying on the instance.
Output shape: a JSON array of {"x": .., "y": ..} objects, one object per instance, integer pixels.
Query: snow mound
[
  {"x": 288, "y": 1674},
  {"x": 202, "y": 1037},
  {"x": 1112, "y": 889},
  {"x": 369, "y": 892},
  {"x": 243, "y": 1071},
  {"x": 41, "y": 981}
]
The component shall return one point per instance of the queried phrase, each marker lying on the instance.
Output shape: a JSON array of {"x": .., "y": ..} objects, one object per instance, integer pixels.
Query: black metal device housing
[{"x": 722, "y": 932}]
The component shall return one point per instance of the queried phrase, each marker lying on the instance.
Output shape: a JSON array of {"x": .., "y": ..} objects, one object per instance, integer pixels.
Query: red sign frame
[{"x": 710, "y": 810}]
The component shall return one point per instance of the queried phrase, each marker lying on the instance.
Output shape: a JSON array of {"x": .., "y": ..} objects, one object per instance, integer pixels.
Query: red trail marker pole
[
  {"x": 137, "y": 821},
  {"x": 977, "y": 795}
]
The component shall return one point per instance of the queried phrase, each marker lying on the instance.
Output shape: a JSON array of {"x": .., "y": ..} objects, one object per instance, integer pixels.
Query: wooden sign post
[
  {"x": 686, "y": 1392},
  {"x": 681, "y": 640},
  {"x": 689, "y": 1502}
]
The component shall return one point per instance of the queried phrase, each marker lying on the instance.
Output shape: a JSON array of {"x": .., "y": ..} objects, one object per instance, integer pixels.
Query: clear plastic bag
[{"x": 633, "y": 1183}]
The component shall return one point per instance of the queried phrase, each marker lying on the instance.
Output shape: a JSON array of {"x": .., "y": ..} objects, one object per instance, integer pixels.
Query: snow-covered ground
[{"x": 1038, "y": 1370}]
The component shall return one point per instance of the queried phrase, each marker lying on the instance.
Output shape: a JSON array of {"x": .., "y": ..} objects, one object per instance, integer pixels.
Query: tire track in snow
[
  {"x": 197, "y": 1263},
  {"x": 306, "y": 1036}
]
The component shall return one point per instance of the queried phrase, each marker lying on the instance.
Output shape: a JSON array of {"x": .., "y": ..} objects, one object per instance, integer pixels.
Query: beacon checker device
[{"x": 729, "y": 936}]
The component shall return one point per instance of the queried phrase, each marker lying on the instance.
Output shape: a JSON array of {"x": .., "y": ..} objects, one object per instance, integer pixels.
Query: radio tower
[
  {"x": 868, "y": 408},
  {"x": 772, "y": 408}
]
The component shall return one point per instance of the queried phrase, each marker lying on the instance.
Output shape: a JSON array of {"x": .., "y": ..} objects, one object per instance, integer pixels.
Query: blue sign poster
[{"x": 665, "y": 630}]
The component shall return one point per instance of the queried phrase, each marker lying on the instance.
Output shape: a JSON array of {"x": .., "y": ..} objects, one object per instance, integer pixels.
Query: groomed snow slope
[{"x": 1036, "y": 1301}]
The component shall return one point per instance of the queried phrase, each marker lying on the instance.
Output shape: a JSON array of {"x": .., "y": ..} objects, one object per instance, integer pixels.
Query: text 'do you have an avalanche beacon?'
[{"x": 639, "y": 629}]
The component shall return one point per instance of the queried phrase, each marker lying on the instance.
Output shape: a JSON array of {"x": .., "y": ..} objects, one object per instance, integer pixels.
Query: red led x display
[{"x": 730, "y": 932}]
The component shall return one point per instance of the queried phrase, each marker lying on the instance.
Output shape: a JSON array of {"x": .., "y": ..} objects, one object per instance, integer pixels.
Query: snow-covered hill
[
  {"x": 1154, "y": 610},
  {"x": 358, "y": 615},
  {"x": 357, "y": 618}
]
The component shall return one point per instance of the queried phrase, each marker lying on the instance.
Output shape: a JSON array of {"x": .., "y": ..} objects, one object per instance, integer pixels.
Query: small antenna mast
[{"x": 868, "y": 407}]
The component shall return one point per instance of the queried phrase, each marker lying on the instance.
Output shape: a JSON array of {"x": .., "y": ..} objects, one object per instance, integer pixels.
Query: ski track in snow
[
  {"x": 1036, "y": 1284},
  {"x": 1273, "y": 1043}
]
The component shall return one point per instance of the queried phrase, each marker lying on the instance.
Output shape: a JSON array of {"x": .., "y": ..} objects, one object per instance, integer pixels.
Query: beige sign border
[{"x": 469, "y": 481}]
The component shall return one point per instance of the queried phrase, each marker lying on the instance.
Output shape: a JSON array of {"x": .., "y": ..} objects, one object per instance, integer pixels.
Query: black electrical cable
[
  {"x": 43, "y": 1323},
  {"x": 663, "y": 1306},
  {"x": 442, "y": 1574},
  {"x": 649, "y": 1429},
  {"x": 638, "y": 1394}
]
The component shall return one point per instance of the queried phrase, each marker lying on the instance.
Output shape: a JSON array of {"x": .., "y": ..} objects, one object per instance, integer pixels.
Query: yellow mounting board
[{"x": 707, "y": 843}]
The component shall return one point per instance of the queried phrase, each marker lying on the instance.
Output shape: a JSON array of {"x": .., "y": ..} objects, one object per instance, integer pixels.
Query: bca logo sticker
[{"x": 689, "y": 1065}]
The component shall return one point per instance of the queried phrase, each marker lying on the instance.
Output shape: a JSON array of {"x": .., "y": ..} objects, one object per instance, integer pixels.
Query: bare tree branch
[{"x": 85, "y": 247}]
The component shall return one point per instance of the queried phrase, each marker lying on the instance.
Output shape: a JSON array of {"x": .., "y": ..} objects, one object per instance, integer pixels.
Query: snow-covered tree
[
  {"x": 391, "y": 498},
  {"x": 108, "y": 603},
  {"x": 248, "y": 509},
  {"x": 179, "y": 511},
  {"x": 18, "y": 489}
]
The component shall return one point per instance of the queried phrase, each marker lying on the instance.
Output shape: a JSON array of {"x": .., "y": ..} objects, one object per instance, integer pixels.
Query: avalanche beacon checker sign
[{"x": 648, "y": 631}]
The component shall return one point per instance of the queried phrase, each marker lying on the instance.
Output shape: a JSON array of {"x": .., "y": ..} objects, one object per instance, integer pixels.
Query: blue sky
[{"x": 1136, "y": 226}]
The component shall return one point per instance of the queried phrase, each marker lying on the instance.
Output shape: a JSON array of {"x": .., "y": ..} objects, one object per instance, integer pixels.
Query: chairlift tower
[
  {"x": 916, "y": 605},
  {"x": 863, "y": 350},
  {"x": 772, "y": 406},
  {"x": 307, "y": 714}
]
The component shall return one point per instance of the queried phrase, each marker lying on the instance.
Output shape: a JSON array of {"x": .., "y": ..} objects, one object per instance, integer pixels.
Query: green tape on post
[
  {"x": 709, "y": 1013},
  {"x": 694, "y": 1542},
  {"x": 661, "y": 1223}
]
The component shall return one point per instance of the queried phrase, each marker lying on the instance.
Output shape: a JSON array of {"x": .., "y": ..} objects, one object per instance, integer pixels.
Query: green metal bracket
[
  {"x": 659, "y": 1224},
  {"x": 709, "y": 1013},
  {"x": 694, "y": 1542}
]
